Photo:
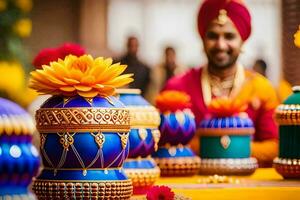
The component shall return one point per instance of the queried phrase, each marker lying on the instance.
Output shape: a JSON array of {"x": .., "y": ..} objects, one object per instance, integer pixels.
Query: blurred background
[{"x": 103, "y": 26}]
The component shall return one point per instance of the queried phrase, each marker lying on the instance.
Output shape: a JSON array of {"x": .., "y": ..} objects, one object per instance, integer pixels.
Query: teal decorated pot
[
  {"x": 143, "y": 140},
  {"x": 84, "y": 143},
  {"x": 19, "y": 159},
  {"x": 225, "y": 145},
  {"x": 288, "y": 118}
]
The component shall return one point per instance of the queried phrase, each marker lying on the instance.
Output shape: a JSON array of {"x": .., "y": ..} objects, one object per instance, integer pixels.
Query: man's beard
[{"x": 212, "y": 61}]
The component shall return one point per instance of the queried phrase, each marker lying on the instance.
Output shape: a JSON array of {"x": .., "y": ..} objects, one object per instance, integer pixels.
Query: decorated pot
[
  {"x": 288, "y": 118},
  {"x": 225, "y": 140},
  {"x": 143, "y": 140},
  {"x": 19, "y": 159},
  {"x": 84, "y": 130},
  {"x": 177, "y": 128}
]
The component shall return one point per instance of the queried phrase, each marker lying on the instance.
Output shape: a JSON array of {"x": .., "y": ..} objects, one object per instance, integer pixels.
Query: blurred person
[
  {"x": 224, "y": 26},
  {"x": 260, "y": 66},
  {"x": 140, "y": 70},
  {"x": 163, "y": 72},
  {"x": 283, "y": 89}
]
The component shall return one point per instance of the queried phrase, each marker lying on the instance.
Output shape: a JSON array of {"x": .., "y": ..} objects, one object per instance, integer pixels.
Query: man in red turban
[{"x": 224, "y": 26}]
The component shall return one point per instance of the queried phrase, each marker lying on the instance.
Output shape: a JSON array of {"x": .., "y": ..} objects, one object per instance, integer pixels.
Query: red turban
[{"x": 236, "y": 11}]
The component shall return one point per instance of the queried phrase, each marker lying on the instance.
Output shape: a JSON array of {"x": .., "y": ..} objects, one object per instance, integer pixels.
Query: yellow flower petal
[
  {"x": 67, "y": 89},
  {"x": 83, "y": 88},
  {"x": 59, "y": 69},
  {"x": 114, "y": 71},
  {"x": 71, "y": 81},
  {"x": 88, "y": 80},
  {"x": 75, "y": 74},
  {"x": 88, "y": 94},
  {"x": 82, "y": 76}
]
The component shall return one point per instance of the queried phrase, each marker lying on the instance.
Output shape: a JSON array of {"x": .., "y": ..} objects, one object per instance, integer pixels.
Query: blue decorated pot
[
  {"x": 83, "y": 146},
  {"x": 225, "y": 145},
  {"x": 19, "y": 159},
  {"x": 173, "y": 156},
  {"x": 177, "y": 127},
  {"x": 143, "y": 140}
]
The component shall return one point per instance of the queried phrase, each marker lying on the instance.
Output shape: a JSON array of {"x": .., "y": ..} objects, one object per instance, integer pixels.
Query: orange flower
[
  {"x": 225, "y": 106},
  {"x": 171, "y": 100},
  {"x": 82, "y": 76}
]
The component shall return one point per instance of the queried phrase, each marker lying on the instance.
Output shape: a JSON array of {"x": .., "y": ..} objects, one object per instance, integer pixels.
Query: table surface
[{"x": 264, "y": 184}]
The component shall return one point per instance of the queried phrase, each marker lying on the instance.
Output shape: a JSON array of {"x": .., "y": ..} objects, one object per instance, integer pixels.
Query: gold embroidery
[
  {"x": 142, "y": 177},
  {"x": 124, "y": 139},
  {"x": 142, "y": 133},
  {"x": 76, "y": 189},
  {"x": 288, "y": 114},
  {"x": 66, "y": 139},
  {"x": 180, "y": 117},
  {"x": 156, "y": 137},
  {"x": 237, "y": 166},
  {"x": 225, "y": 141},
  {"x": 82, "y": 119},
  {"x": 144, "y": 116},
  {"x": 99, "y": 139},
  {"x": 222, "y": 18},
  {"x": 178, "y": 166},
  {"x": 239, "y": 79}
]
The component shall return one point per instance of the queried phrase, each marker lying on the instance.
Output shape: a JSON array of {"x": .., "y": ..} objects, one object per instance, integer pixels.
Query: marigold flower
[
  {"x": 82, "y": 76},
  {"x": 23, "y": 27},
  {"x": 3, "y": 5},
  {"x": 24, "y": 5},
  {"x": 172, "y": 100},
  {"x": 224, "y": 106}
]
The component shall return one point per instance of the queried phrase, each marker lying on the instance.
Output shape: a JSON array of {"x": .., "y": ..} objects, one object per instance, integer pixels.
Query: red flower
[
  {"x": 160, "y": 193},
  {"x": 70, "y": 48},
  {"x": 45, "y": 56}
]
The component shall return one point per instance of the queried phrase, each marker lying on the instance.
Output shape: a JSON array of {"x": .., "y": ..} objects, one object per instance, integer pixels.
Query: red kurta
[{"x": 261, "y": 115}]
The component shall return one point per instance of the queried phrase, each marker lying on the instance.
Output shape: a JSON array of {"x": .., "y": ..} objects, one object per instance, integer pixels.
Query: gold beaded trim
[
  {"x": 225, "y": 131},
  {"x": 238, "y": 166},
  {"x": 286, "y": 161},
  {"x": 82, "y": 119},
  {"x": 142, "y": 177},
  {"x": 144, "y": 116},
  {"x": 289, "y": 168},
  {"x": 288, "y": 114},
  {"x": 179, "y": 166},
  {"x": 46, "y": 189}
]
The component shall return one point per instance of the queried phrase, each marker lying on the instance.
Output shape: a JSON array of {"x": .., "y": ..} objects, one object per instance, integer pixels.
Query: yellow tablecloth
[{"x": 264, "y": 184}]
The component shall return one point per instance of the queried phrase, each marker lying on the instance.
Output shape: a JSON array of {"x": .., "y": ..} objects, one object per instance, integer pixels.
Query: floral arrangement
[
  {"x": 84, "y": 76},
  {"x": 297, "y": 38},
  {"x": 14, "y": 25},
  {"x": 172, "y": 100}
]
